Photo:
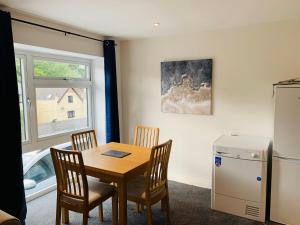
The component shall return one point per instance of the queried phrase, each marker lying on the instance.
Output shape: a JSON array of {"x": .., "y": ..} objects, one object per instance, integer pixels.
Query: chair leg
[
  {"x": 101, "y": 212},
  {"x": 58, "y": 213},
  {"x": 115, "y": 209},
  {"x": 167, "y": 208},
  {"x": 65, "y": 216},
  {"x": 85, "y": 218},
  {"x": 163, "y": 204},
  {"x": 149, "y": 215},
  {"x": 138, "y": 207}
]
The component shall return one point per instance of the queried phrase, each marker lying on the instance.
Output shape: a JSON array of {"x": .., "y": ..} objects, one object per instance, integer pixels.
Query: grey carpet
[{"x": 190, "y": 205}]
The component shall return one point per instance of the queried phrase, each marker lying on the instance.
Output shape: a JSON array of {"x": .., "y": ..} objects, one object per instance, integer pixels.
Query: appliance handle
[
  {"x": 227, "y": 154},
  {"x": 221, "y": 153}
]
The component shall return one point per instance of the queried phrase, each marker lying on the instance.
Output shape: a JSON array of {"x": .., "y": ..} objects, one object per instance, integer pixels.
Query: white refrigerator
[{"x": 285, "y": 189}]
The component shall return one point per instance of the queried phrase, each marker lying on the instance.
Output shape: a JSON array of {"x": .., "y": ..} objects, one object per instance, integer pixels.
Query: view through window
[
  {"x": 57, "y": 69},
  {"x": 54, "y": 113}
]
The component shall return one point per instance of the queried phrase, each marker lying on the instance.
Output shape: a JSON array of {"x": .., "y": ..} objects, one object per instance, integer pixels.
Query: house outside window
[
  {"x": 70, "y": 99},
  {"x": 71, "y": 114}
]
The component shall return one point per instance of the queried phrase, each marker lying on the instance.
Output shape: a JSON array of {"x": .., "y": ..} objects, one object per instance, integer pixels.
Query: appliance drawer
[{"x": 239, "y": 207}]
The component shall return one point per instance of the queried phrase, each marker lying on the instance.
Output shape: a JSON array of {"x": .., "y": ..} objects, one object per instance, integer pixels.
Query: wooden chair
[
  {"x": 7, "y": 219},
  {"x": 146, "y": 136},
  {"x": 148, "y": 190},
  {"x": 84, "y": 140},
  {"x": 74, "y": 191}
]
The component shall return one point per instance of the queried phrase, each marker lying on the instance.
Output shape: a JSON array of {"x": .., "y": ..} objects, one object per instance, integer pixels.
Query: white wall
[
  {"x": 246, "y": 62},
  {"x": 40, "y": 37}
]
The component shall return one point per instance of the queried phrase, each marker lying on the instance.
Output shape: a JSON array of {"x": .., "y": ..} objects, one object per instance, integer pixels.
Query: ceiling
[{"x": 135, "y": 18}]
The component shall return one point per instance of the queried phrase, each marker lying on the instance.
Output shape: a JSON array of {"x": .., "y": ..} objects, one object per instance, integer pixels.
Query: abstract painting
[{"x": 186, "y": 86}]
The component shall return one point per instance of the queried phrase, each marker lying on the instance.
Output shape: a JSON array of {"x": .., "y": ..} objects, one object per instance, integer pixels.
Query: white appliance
[
  {"x": 285, "y": 188},
  {"x": 240, "y": 175}
]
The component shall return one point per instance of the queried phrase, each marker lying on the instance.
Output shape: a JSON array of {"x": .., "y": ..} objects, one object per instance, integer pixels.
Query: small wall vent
[{"x": 252, "y": 211}]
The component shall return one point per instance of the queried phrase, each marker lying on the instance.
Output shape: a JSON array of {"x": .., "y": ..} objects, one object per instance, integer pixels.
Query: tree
[{"x": 44, "y": 68}]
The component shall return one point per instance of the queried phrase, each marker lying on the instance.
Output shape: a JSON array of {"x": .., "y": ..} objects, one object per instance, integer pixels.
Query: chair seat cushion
[
  {"x": 99, "y": 190},
  {"x": 136, "y": 190},
  {"x": 7, "y": 219}
]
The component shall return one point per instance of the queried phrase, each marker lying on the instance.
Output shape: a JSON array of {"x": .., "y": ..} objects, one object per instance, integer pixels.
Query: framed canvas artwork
[{"x": 186, "y": 86}]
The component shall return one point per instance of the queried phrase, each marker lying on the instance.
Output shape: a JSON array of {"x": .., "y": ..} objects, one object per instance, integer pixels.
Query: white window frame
[
  {"x": 25, "y": 98},
  {"x": 32, "y": 82}
]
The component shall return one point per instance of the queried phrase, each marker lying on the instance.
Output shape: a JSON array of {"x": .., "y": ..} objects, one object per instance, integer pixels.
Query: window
[
  {"x": 53, "y": 110},
  {"x": 41, "y": 170},
  {"x": 70, "y": 99},
  {"x": 71, "y": 114},
  {"x": 55, "y": 97},
  {"x": 47, "y": 85},
  {"x": 39, "y": 173},
  {"x": 57, "y": 69}
]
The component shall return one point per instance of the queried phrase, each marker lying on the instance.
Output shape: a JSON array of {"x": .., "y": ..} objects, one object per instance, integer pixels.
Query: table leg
[
  {"x": 65, "y": 216},
  {"x": 122, "y": 189}
]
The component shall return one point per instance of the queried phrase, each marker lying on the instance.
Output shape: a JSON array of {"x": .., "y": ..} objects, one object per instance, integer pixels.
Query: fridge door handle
[{"x": 286, "y": 158}]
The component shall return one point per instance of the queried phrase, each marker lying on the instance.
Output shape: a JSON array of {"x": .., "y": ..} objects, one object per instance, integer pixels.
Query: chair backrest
[
  {"x": 146, "y": 136},
  {"x": 157, "y": 172},
  {"x": 84, "y": 140},
  {"x": 70, "y": 173}
]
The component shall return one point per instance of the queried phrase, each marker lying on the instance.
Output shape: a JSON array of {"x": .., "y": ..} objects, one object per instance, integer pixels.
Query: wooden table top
[{"x": 94, "y": 161}]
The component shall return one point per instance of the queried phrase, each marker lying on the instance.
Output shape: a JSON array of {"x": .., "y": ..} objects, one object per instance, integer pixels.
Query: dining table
[{"x": 116, "y": 170}]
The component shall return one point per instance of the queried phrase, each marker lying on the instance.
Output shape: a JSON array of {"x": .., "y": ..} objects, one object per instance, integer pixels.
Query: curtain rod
[{"x": 55, "y": 29}]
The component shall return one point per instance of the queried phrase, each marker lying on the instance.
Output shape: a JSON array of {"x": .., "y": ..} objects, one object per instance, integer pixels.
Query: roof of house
[
  {"x": 54, "y": 93},
  {"x": 77, "y": 91}
]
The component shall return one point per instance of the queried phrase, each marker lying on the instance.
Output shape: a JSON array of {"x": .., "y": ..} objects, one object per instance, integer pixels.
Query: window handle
[{"x": 29, "y": 102}]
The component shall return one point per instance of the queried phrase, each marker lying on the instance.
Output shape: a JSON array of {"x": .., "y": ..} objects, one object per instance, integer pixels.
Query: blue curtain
[
  {"x": 111, "y": 92},
  {"x": 12, "y": 197}
]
